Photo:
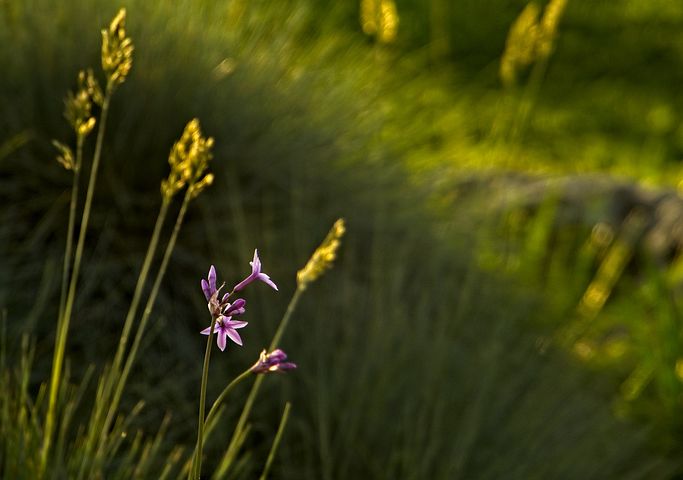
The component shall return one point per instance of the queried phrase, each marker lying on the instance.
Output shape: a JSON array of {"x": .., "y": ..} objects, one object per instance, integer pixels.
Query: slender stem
[
  {"x": 142, "y": 279},
  {"x": 285, "y": 319},
  {"x": 115, "y": 379},
  {"x": 214, "y": 408},
  {"x": 233, "y": 446},
  {"x": 130, "y": 359},
  {"x": 68, "y": 251},
  {"x": 197, "y": 461},
  {"x": 64, "y": 320},
  {"x": 276, "y": 441}
]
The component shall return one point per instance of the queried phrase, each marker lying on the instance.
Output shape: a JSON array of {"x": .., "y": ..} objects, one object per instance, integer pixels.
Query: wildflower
[
  {"x": 209, "y": 285},
  {"x": 78, "y": 105},
  {"x": 323, "y": 256},
  {"x": 189, "y": 160},
  {"x": 256, "y": 274},
  {"x": 66, "y": 156},
  {"x": 223, "y": 328},
  {"x": 274, "y": 361},
  {"x": 117, "y": 50}
]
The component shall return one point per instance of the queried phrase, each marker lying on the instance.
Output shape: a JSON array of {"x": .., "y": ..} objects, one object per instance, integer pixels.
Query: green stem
[
  {"x": 276, "y": 441},
  {"x": 68, "y": 250},
  {"x": 130, "y": 359},
  {"x": 114, "y": 379},
  {"x": 214, "y": 408},
  {"x": 197, "y": 461},
  {"x": 285, "y": 319},
  {"x": 234, "y": 445},
  {"x": 64, "y": 320},
  {"x": 142, "y": 279}
]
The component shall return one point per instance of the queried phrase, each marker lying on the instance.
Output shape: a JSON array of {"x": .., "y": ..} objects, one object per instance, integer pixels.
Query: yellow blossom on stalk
[
  {"x": 531, "y": 38},
  {"x": 117, "y": 50},
  {"x": 323, "y": 257},
  {"x": 520, "y": 46},
  {"x": 379, "y": 18},
  {"x": 78, "y": 106},
  {"x": 189, "y": 160},
  {"x": 66, "y": 156},
  {"x": 548, "y": 26}
]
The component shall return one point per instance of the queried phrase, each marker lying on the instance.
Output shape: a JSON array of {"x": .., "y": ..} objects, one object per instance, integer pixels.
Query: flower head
[
  {"x": 255, "y": 274},
  {"x": 323, "y": 256},
  {"x": 117, "y": 50},
  {"x": 189, "y": 160},
  {"x": 78, "y": 105},
  {"x": 223, "y": 328},
  {"x": 209, "y": 285},
  {"x": 275, "y": 361}
]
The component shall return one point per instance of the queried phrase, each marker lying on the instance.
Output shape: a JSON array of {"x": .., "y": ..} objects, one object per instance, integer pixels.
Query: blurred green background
[{"x": 501, "y": 307}]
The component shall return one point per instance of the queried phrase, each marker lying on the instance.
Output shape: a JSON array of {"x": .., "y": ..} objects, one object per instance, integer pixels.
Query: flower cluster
[
  {"x": 117, "y": 51},
  {"x": 531, "y": 38},
  {"x": 323, "y": 256},
  {"x": 223, "y": 310},
  {"x": 78, "y": 105},
  {"x": 275, "y": 361},
  {"x": 189, "y": 160}
]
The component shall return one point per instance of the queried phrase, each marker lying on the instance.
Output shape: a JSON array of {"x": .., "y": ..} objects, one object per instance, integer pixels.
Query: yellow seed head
[
  {"x": 548, "y": 26},
  {"x": 78, "y": 105},
  {"x": 322, "y": 257},
  {"x": 66, "y": 156},
  {"x": 117, "y": 50},
  {"x": 530, "y": 38},
  {"x": 379, "y": 18},
  {"x": 189, "y": 160},
  {"x": 520, "y": 46}
]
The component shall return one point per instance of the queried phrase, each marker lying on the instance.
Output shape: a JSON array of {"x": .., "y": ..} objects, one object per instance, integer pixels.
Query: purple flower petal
[
  {"x": 207, "y": 331},
  {"x": 220, "y": 339},
  {"x": 212, "y": 279},
  {"x": 266, "y": 279},
  {"x": 255, "y": 263},
  {"x": 236, "y": 324},
  {"x": 206, "y": 289},
  {"x": 234, "y": 336}
]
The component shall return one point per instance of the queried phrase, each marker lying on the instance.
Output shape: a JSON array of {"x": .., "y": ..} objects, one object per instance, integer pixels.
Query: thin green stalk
[
  {"x": 197, "y": 461},
  {"x": 64, "y": 320},
  {"x": 68, "y": 250},
  {"x": 234, "y": 445},
  {"x": 276, "y": 441},
  {"x": 113, "y": 377},
  {"x": 142, "y": 279},
  {"x": 130, "y": 359},
  {"x": 217, "y": 403},
  {"x": 285, "y": 319}
]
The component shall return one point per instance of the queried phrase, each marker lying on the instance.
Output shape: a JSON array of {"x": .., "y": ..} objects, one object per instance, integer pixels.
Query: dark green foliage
[{"x": 413, "y": 364}]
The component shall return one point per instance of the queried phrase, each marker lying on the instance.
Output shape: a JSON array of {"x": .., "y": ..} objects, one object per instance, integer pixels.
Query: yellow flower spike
[
  {"x": 189, "y": 159},
  {"x": 78, "y": 106},
  {"x": 520, "y": 46},
  {"x": 548, "y": 26},
  {"x": 198, "y": 187},
  {"x": 322, "y": 257},
  {"x": 379, "y": 18},
  {"x": 66, "y": 156},
  {"x": 88, "y": 83},
  {"x": 117, "y": 50}
]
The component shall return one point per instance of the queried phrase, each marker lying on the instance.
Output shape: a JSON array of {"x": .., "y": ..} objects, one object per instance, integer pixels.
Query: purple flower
[
  {"x": 274, "y": 361},
  {"x": 235, "y": 308},
  {"x": 225, "y": 327},
  {"x": 209, "y": 285},
  {"x": 256, "y": 274}
]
